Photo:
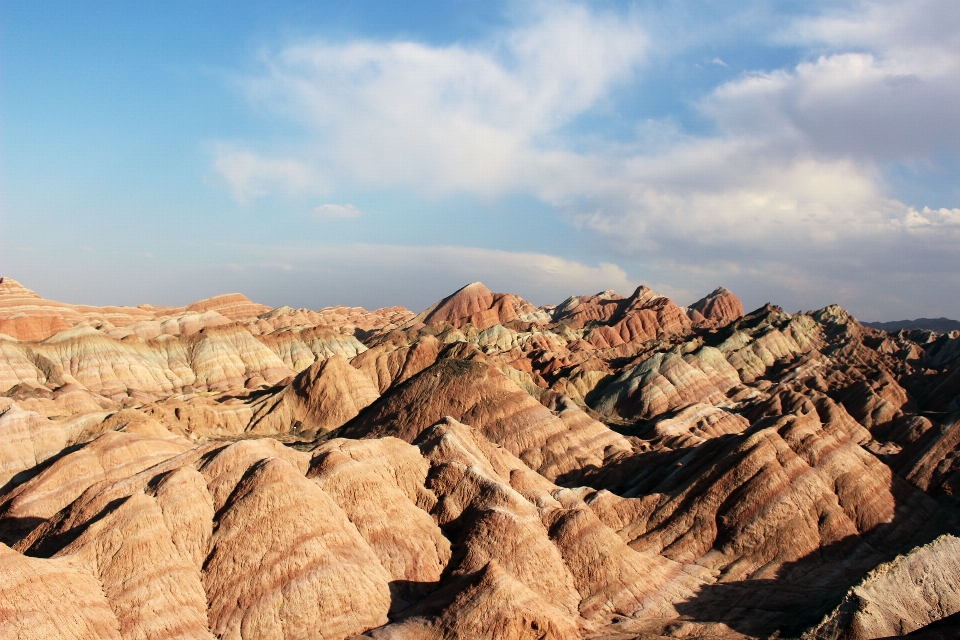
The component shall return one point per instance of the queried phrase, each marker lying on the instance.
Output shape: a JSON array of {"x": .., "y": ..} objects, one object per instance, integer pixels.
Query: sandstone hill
[{"x": 614, "y": 466}]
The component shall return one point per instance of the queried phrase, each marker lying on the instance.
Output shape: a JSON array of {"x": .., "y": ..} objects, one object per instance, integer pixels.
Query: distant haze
[{"x": 940, "y": 325}]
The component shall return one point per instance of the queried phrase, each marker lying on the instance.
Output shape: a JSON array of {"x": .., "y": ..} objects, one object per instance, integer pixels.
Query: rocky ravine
[{"x": 610, "y": 467}]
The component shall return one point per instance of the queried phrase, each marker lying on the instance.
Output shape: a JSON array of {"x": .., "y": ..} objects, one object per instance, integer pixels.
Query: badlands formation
[{"x": 610, "y": 467}]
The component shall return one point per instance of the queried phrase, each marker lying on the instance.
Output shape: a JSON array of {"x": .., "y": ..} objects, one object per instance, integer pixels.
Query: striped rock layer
[{"x": 614, "y": 466}]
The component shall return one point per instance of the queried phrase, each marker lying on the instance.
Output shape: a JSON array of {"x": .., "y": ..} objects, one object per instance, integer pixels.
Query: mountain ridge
[
  {"x": 940, "y": 325},
  {"x": 609, "y": 467}
]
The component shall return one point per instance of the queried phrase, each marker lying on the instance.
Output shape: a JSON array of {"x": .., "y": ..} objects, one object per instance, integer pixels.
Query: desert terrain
[{"x": 613, "y": 466}]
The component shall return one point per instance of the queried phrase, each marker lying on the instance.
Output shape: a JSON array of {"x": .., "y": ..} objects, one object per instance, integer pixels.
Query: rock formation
[
  {"x": 326, "y": 396},
  {"x": 898, "y": 597},
  {"x": 475, "y": 304},
  {"x": 721, "y": 306},
  {"x": 610, "y": 467}
]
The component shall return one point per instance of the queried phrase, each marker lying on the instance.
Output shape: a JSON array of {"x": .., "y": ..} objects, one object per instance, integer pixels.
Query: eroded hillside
[{"x": 609, "y": 467}]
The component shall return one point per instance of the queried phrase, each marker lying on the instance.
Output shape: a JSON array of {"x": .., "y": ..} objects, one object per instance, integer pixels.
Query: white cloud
[
  {"x": 848, "y": 104},
  {"x": 790, "y": 188},
  {"x": 442, "y": 119},
  {"x": 250, "y": 175},
  {"x": 918, "y": 32},
  {"x": 333, "y": 211}
]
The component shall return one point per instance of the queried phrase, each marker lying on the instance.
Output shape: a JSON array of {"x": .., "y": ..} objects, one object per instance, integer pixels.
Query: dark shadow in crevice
[
  {"x": 802, "y": 591},
  {"x": 437, "y": 595},
  {"x": 944, "y": 629},
  {"x": 806, "y": 590},
  {"x": 50, "y": 545},
  {"x": 237, "y": 488},
  {"x": 408, "y": 596},
  {"x": 13, "y": 530}
]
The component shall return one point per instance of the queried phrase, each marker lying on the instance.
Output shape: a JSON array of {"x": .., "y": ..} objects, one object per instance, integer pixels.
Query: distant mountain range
[{"x": 940, "y": 325}]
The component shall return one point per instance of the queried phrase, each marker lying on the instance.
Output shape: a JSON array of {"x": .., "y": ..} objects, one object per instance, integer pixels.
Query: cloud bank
[{"x": 789, "y": 186}]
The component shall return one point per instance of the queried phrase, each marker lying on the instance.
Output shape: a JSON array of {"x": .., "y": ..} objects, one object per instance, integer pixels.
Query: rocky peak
[
  {"x": 235, "y": 306},
  {"x": 720, "y": 306},
  {"x": 10, "y": 287}
]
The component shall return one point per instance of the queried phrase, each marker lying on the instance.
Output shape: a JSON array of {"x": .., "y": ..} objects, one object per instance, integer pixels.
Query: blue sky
[{"x": 314, "y": 153}]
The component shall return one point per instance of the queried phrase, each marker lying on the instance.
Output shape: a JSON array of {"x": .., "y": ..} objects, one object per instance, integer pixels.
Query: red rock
[
  {"x": 720, "y": 306},
  {"x": 610, "y": 467},
  {"x": 644, "y": 316},
  {"x": 26, "y": 316},
  {"x": 475, "y": 304},
  {"x": 579, "y": 310}
]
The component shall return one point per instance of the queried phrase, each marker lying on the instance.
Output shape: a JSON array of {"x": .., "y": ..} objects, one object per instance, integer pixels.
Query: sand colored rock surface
[
  {"x": 491, "y": 604},
  {"x": 901, "y": 596},
  {"x": 218, "y": 343},
  {"x": 24, "y": 315},
  {"x": 476, "y": 393},
  {"x": 300, "y": 347},
  {"x": 610, "y": 467},
  {"x": 169, "y": 601},
  {"x": 380, "y": 485},
  {"x": 573, "y": 550},
  {"x": 932, "y": 462},
  {"x": 316, "y": 575},
  {"x": 185, "y": 324},
  {"x": 112, "y": 456},
  {"x": 664, "y": 382},
  {"x": 326, "y": 396},
  {"x": 42, "y": 599},
  {"x": 343, "y": 320},
  {"x": 393, "y": 362},
  {"x": 29, "y": 327},
  {"x": 697, "y": 423},
  {"x": 27, "y": 438}
]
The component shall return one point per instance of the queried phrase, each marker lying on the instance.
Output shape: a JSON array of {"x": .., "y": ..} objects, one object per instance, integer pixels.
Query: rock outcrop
[
  {"x": 326, "y": 396},
  {"x": 475, "y": 304},
  {"x": 611, "y": 467},
  {"x": 901, "y": 596},
  {"x": 721, "y": 307},
  {"x": 476, "y": 393}
]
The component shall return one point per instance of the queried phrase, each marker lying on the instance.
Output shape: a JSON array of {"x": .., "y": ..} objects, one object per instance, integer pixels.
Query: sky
[{"x": 384, "y": 153}]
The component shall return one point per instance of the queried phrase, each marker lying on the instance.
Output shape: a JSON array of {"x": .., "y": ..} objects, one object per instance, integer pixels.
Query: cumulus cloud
[
  {"x": 915, "y": 31},
  {"x": 333, "y": 211},
  {"x": 792, "y": 188},
  {"x": 789, "y": 187},
  {"x": 449, "y": 118},
  {"x": 848, "y": 104}
]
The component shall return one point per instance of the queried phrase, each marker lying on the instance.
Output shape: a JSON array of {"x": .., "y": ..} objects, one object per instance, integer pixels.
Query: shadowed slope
[{"x": 476, "y": 393}]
